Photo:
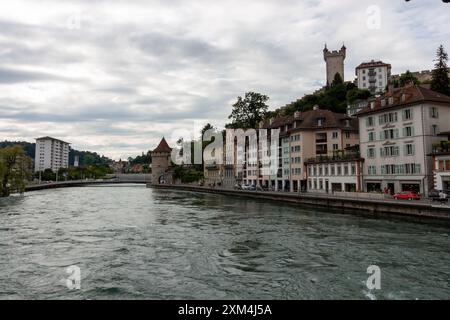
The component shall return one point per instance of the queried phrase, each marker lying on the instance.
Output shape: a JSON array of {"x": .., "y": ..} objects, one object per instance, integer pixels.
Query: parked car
[
  {"x": 237, "y": 186},
  {"x": 245, "y": 187},
  {"x": 252, "y": 188},
  {"x": 407, "y": 195}
]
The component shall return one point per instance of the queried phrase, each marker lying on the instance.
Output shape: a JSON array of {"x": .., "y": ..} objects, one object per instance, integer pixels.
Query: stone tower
[
  {"x": 335, "y": 63},
  {"x": 161, "y": 163}
]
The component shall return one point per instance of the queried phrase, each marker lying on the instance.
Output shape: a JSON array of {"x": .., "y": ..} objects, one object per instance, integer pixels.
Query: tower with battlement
[{"x": 335, "y": 63}]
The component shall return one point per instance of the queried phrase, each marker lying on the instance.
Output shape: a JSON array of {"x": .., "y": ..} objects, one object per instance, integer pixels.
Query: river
[{"x": 130, "y": 242}]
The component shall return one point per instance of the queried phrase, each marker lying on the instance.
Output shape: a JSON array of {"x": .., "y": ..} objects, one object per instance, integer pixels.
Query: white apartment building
[
  {"x": 51, "y": 154},
  {"x": 373, "y": 76},
  {"x": 335, "y": 175},
  {"x": 397, "y": 132}
]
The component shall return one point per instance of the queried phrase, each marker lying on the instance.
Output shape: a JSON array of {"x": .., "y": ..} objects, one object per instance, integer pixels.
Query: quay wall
[{"x": 371, "y": 207}]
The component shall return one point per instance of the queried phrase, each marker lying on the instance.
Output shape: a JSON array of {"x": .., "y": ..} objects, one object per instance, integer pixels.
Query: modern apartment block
[
  {"x": 373, "y": 76},
  {"x": 397, "y": 132},
  {"x": 51, "y": 154}
]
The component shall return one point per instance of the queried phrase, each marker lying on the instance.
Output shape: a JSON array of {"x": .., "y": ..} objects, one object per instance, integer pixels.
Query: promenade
[{"x": 339, "y": 202}]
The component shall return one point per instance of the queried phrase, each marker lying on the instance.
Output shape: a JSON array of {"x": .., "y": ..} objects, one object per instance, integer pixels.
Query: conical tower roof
[{"x": 163, "y": 146}]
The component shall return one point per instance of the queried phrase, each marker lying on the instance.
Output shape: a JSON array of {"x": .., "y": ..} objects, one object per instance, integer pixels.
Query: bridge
[{"x": 116, "y": 179}]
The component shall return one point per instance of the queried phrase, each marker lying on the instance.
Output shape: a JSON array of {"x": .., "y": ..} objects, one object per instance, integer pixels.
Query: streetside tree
[
  {"x": 248, "y": 112},
  {"x": 14, "y": 170}
]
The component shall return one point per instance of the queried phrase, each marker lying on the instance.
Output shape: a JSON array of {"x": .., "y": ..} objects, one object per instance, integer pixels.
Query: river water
[{"x": 130, "y": 242}]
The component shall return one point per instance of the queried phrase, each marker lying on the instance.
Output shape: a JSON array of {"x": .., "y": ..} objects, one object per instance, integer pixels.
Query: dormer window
[{"x": 320, "y": 121}]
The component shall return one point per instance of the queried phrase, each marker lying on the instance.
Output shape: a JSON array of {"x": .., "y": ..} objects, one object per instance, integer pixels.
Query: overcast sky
[{"x": 115, "y": 76}]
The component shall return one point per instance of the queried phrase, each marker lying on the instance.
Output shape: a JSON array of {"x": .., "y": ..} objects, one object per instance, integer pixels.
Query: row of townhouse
[{"x": 387, "y": 146}]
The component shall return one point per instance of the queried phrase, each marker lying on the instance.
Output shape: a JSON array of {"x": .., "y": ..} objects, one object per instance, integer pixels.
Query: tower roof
[{"x": 163, "y": 146}]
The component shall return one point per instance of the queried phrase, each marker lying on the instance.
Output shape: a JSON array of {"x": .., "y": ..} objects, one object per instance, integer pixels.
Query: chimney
[
  {"x": 383, "y": 102},
  {"x": 391, "y": 101},
  {"x": 372, "y": 105},
  {"x": 316, "y": 107},
  {"x": 297, "y": 114},
  {"x": 271, "y": 121}
]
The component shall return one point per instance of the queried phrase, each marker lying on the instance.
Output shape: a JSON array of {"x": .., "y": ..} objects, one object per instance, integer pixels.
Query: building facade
[
  {"x": 335, "y": 175},
  {"x": 334, "y": 63},
  {"x": 373, "y": 76},
  {"x": 397, "y": 132},
  {"x": 441, "y": 162},
  {"x": 51, "y": 154},
  {"x": 303, "y": 136}
]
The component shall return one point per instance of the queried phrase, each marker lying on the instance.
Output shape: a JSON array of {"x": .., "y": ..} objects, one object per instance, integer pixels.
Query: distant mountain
[{"x": 87, "y": 158}]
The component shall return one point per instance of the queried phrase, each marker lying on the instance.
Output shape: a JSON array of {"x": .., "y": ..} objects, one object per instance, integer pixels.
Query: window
[
  {"x": 371, "y": 153},
  {"x": 434, "y": 112},
  {"x": 387, "y": 118},
  {"x": 320, "y": 121},
  {"x": 434, "y": 130},
  {"x": 371, "y": 136},
  {"x": 409, "y": 150},
  {"x": 353, "y": 169},
  {"x": 320, "y": 170},
  {"x": 371, "y": 170},
  {"x": 347, "y": 135},
  {"x": 326, "y": 170},
  {"x": 408, "y": 131},
  {"x": 339, "y": 170},
  {"x": 335, "y": 146},
  {"x": 335, "y": 135},
  {"x": 346, "y": 169},
  {"x": 407, "y": 114},
  {"x": 333, "y": 170},
  {"x": 389, "y": 134},
  {"x": 370, "y": 122},
  {"x": 391, "y": 151}
]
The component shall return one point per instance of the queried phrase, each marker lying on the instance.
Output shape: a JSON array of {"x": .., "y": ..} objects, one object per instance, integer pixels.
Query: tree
[
  {"x": 405, "y": 78},
  {"x": 14, "y": 170},
  {"x": 207, "y": 127},
  {"x": 440, "y": 81},
  {"x": 337, "y": 80},
  {"x": 248, "y": 111},
  {"x": 357, "y": 94}
]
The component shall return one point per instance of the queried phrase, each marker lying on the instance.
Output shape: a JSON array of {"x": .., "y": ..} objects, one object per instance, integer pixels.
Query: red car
[{"x": 407, "y": 195}]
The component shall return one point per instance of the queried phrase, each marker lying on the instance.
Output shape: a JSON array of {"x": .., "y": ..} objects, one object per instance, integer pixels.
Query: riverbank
[{"x": 371, "y": 207}]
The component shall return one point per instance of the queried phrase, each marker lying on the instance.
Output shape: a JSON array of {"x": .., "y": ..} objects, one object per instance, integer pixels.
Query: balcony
[
  {"x": 372, "y": 73},
  {"x": 441, "y": 148},
  {"x": 211, "y": 166}
]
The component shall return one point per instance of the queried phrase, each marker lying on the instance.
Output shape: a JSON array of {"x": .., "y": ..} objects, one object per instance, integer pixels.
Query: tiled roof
[
  {"x": 404, "y": 96},
  {"x": 309, "y": 120},
  {"x": 163, "y": 146},
  {"x": 373, "y": 64}
]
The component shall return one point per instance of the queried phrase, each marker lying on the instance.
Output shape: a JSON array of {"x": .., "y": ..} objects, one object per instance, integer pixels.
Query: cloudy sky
[{"x": 115, "y": 76}]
